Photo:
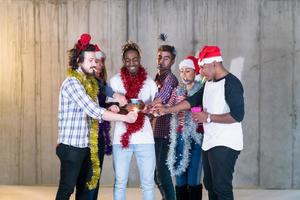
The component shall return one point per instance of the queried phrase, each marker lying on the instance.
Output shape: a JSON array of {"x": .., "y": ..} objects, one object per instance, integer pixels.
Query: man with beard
[
  {"x": 137, "y": 138},
  {"x": 79, "y": 116}
]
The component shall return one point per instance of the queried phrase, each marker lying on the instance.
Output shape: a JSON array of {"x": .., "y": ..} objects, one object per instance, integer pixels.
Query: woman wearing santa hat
[{"x": 184, "y": 157}]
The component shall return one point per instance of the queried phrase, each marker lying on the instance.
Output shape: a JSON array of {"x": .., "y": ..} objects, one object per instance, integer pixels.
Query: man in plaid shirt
[
  {"x": 76, "y": 109},
  {"x": 166, "y": 82}
]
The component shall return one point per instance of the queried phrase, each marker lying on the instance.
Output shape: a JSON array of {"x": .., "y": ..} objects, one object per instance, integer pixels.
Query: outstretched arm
[
  {"x": 162, "y": 110},
  {"x": 110, "y": 116}
]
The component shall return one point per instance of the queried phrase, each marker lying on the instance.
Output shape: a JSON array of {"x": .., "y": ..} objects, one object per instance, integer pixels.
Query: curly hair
[
  {"x": 130, "y": 45},
  {"x": 76, "y": 55}
]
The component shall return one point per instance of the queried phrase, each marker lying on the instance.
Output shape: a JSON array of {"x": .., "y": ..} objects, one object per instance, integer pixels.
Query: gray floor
[{"x": 48, "y": 193}]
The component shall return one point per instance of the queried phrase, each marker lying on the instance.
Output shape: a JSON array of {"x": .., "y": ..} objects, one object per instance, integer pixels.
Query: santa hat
[
  {"x": 190, "y": 62},
  {"x": 99, "y": 53},
  {"x": 209, "y": 54}
]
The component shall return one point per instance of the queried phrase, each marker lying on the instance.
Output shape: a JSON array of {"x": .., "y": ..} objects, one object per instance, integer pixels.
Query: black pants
[
  {"x": 162, "y": 174},
  {"x": 74, "y": 170},
  {"x": 218, "y": 167}
]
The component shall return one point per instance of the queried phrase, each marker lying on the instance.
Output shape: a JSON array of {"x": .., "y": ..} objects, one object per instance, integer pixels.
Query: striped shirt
[
  {"x": 166, "y": 82},
  {"x": 76, "y": 109}
]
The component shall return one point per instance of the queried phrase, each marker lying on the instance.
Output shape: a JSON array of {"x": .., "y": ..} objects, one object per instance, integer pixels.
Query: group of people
[{"x": 184, "y": 127}]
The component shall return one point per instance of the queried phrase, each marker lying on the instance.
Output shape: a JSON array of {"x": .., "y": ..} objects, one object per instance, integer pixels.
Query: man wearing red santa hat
[{"x": 223, "y": 103}]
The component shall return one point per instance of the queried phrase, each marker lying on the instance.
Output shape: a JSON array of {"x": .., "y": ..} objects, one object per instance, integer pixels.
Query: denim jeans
[
  {"x": 75, "y": 163},
  {"x": 145, "y": 159},
  {"x": 163, "y": 177},
  {"x": 93, "y": 194},
  {"x": 192, "y": 175},
  {"x": 218, "y": 167}
]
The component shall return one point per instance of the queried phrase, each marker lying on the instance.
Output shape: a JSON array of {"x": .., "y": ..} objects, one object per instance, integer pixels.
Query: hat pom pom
[
  {"x": 83, "y": 42},
  {"x": 163, "y": 37}
]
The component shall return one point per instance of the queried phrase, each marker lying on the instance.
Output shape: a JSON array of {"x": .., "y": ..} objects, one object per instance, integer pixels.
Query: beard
[{"x": 90, "y": 71}]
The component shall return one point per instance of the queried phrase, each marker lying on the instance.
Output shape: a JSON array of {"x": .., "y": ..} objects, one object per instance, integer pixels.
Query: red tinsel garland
[{"x": 133, "y": 86}]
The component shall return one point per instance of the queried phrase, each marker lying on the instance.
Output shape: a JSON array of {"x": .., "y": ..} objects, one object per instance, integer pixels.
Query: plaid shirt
[
  {"x": 75, "y": 111},
  {"x": 166, "y": 83}
]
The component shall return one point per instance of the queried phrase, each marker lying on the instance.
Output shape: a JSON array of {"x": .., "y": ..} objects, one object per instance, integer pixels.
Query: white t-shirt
[
  {"x": 218, "y": 134},
  {"x": 147, "y": 94}
]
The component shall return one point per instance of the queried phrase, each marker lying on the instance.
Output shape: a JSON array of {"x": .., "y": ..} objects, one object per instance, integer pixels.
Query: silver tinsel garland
[{"x": 189, "y": 133}]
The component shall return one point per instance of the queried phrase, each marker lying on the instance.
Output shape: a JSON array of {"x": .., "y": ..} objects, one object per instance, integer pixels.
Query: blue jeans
[
  {"x": 192, "y": 175},
  {"x": 218, "y": 167},
  {"x": 145, "y": 159},
  {"x": 163, "y": 177},
  {"x": 74, "y": 168}
]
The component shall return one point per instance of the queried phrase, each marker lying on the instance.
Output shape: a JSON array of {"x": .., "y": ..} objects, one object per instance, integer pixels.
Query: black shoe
[
  {"x": 182, "y": 192},
  {"x": 195, "y": 192}
]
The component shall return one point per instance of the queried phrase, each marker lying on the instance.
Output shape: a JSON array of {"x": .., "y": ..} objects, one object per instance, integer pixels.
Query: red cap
[
  {"x": 209, "y": 54},
  {"x": 195, "y": 61}
]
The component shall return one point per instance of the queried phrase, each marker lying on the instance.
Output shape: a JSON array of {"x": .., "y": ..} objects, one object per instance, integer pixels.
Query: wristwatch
[{"x": 208, "y": 119}]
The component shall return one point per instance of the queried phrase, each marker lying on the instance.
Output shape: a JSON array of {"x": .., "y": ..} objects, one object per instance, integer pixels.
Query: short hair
[{"x": 168, "y": 48}]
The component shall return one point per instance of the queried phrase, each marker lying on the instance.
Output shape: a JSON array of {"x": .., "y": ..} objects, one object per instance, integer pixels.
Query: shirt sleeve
[
  {"x": 196, "y": 99},
  {"x": 77, "y": 93},
  {"x": 154, "y": 90},
  {"x": 172, "y": 100},
  {"x": 166, "y": 91},
  {"x": 108, "y": 91},
  {"x": 234, "y": 96}
]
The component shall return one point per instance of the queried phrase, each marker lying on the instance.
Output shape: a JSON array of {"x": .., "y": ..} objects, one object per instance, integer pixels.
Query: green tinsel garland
[{"x": 91, "y": 87}]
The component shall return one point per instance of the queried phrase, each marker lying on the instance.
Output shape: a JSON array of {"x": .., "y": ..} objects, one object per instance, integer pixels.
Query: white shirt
[
  {"x": 147, "y": 94},
  {"x": 218, "y": 134}
]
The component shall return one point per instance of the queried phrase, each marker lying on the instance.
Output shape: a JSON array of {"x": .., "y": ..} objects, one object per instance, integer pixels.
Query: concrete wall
[{"x": 259, "y": 41}]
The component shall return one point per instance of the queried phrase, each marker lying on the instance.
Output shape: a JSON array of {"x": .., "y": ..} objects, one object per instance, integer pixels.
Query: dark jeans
[
  {"x": 93, "y": 194},
  {"x": 163, "y": 177},
  {"x": 74, "y": 166},
  {"x": 218, "y": 167},
  {"x": 192, "y": 174}
]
